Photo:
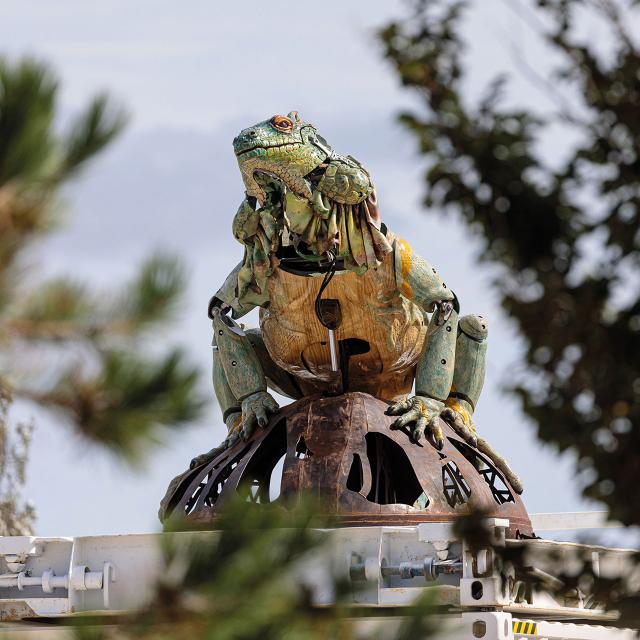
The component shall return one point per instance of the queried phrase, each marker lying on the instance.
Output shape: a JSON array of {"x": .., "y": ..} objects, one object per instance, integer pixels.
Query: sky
[{"x": 191, "y": 75}]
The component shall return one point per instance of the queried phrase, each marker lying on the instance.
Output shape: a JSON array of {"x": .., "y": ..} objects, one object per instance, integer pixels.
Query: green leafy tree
[
  {"x": 578, "y": 308},
  {"x": 76, "y": 351}
]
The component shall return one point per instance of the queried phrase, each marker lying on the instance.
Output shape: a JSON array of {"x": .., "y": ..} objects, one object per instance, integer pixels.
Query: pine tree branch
[
  {"x": 128, "y": 404},
  {"x": 62, "y": 310},
  {"x": 91, "y": 133}
]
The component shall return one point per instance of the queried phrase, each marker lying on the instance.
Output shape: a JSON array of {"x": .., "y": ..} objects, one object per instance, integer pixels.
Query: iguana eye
[{"x": 282, "y": 123}]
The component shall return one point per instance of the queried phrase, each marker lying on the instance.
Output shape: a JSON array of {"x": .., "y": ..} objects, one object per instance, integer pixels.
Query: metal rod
[
  {"x": 429, "y": 568},
  {"x": 334, "y": 350}
]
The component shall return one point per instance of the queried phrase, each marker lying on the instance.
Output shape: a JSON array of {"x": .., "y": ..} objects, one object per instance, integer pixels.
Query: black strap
[{"x": 328, "y": 276}]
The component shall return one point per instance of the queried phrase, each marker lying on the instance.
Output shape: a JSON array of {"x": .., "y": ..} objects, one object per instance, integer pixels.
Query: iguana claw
[
  {"x": 458, "y": 424},
  {"x": 256, "y": 410},
  {"x": 207, "y": 457},
  {"x": 424, "y": 413}
]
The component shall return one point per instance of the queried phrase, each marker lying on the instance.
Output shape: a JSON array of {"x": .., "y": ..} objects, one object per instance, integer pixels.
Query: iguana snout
[{"x": 284, "y": 147}]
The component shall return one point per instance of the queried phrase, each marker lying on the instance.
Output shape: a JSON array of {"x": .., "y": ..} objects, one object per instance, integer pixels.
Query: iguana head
[{"x": 284, "y": 147}]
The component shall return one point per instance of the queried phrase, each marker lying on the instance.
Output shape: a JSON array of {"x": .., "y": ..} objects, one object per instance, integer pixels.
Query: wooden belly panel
[{"x": 372, "y": 310}]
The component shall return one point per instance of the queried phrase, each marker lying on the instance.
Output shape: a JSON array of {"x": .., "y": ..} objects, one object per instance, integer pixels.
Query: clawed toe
[
  {"x": 515, "y": 482},
  {"x": 421, "y": 416},
  {"x": 436, "y": 435},
  {"x": 197, "y": 461},
  {"x": 457, "y": 423},
  {"x": 207, "y": 457}
]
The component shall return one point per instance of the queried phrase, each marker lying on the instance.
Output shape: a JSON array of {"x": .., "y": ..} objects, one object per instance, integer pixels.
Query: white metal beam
[{"x": 572, "y": 521}]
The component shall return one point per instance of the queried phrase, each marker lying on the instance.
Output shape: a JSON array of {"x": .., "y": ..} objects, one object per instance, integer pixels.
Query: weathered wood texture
[
  {"x": 342, "y": 450},
  {"x": 372, "y": 309}
]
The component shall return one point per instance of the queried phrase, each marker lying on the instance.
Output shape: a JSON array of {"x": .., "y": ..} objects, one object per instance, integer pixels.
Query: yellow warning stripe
[{"x": 528, "y": 628}]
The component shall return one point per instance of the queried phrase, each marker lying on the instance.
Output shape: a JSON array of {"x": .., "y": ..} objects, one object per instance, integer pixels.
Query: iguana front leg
[
  {"x": 434, "y": 375},
  {"x": 450, "y": 373},
  {"x": 468, "y": 375},
  {"x": 240, "y": 418},
  {"x": 420, "y": 283},
  {"x": 238, "y": 381},
  {"x": 243, "y": 375}
]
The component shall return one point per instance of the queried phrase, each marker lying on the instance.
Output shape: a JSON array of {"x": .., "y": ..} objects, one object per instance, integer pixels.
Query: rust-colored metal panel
[{"x": 342, "y": 449}]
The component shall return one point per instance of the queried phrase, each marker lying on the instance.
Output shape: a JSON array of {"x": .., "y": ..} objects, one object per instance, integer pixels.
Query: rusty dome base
[{"x": 342, "y": 450}]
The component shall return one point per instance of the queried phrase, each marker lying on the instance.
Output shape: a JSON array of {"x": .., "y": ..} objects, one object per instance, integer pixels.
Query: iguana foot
[
  {"x": 424, "y": 413},
  {"x": 256, "y": 410}
]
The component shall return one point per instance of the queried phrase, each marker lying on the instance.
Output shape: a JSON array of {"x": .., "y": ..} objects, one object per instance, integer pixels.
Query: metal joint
[{"x": 443, "y": 311}]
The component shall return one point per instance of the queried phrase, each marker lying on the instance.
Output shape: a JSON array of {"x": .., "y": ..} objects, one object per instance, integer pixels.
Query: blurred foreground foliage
[
  {"x": 250, "y": 580},
  {"x": 563, "y": 232},
  {"x": 83, "y": 353},
  {"x": 16, "y": 516}
]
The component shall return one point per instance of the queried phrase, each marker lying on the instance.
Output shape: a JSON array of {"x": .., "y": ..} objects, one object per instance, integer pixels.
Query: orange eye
[{"x": 282, "y": 123}]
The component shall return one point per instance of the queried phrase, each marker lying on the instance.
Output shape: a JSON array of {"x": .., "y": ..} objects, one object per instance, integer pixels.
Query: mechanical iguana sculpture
[{"x": 343, "y": 303}]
